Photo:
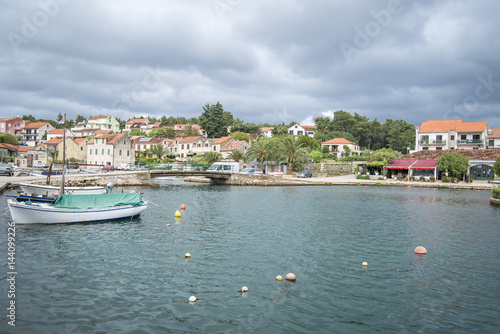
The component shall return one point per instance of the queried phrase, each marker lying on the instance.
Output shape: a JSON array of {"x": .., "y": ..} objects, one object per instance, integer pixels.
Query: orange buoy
[
  {"x": 183, "y": 207},
  {"x": 366, "y": 186},
  {"x": 290, "y": 277},
  {"x": 408, "y": 187},
  {"x": 420, "y": 250}
]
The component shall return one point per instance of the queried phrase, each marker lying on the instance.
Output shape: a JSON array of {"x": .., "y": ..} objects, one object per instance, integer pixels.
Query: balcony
[
  {"x": 433, "y": 142},
  {"x": 470, "y": 141}
]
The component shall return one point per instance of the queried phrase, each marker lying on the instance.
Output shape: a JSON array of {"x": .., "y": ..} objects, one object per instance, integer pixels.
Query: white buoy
[
  {"x": 187, "y": 255},
  {"x": 244, "y": 289},
  {"x": 365, "y": 264},
  {"x": 192, "y": 299},
  {"x": 290, "y": 277}
]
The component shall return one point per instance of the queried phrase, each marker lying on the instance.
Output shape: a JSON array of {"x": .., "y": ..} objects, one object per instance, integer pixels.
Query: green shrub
[
  {"x": 445, "y": 179},
  {"x": 432, "y": 178},
  {"x": 358, "y": 184},
  {"x": 496, "y": 193},
  {"x": 363, "y": 177},
  {"x": 380, "y": 178},
  {"x": 328, "y": 183},
  {"x": 378, "y": 184}
]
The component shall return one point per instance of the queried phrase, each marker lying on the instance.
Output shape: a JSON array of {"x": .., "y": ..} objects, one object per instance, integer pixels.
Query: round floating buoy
[
  {"x": 192, "y": 299},
  {"x": 366, "y": 186},
  {"x": 279, "y": 278},
  {"x": 408, "y": 187},
  {"x": 244, "y": 289},
  {"x": 177, "y": 213},
  {"x": 290, "y": 277},
  {"x": 183, "y": 207},
  {"x": 365, "y": 264},
  {"x": 168, "y": 224},
  {"x": 420, "y": 250},
  {"x": 187, "y": 255}
]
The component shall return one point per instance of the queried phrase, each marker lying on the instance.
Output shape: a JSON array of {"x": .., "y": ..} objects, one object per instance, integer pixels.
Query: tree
[
  {"x": 259, "y": 151},
  {"x": 236, "y": 155},
  {"x": 59, "y": 118},
  {"x": 158, "y": 150},
  {"x": 189, "y": 131},
  {"x": 455, "y": 163},
  {"x": 347, "y": 150},
  {"x": 280, "y": 129},
  {"x": 238, "y": 135},
  {"x": 7, "y": 138},
  {"x": 136, "y": 132},
  {"x": 80, "y": 119},
  {"x": 211, "y": 157},
  {"x": 385, "y": 154},
  {"x": 214, "y": 120},
  {"x": 496, "y": 167},
  {"x": 167, "y": 132},
  {"x": 293, "y": 151},
  {"x": 54, "y": 155},
  {"x": 316, "y": 156}
]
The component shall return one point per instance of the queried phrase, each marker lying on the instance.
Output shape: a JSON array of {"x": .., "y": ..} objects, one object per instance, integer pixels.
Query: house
[
  {"x": 22, "y": 155},
  {"x": 297, "y": 130},
  {"x": 58, "y": 133},
  {"x": 32, "y": 133},
  {"x": 267, "y": 131},
  {"x": 337, "y": 146},
  {"x": 493, "y": 139},
  {"x": 104, "y": 123},
  {"x": 13, "y": 125},
  {"x": 219, "y": 143},
  {"x": 55, "y": 148},
  {"x": 180, "y": 128},
  {"x": 7, "y": 150},
  {"x": 37, "y": 156},
  {"x": 148, "y": 127},
  {"x": 110, "y": 150},
  {"x": 142, "y": 144},
  {"x": 480, "y": 161},
  {"x": 82, "y": 150},
  {"x": 186, "y": 146},
  {"x": 135, "y": 123},
  {"x": 239, "y": 145},
  {"x": 450, "y": 134}
]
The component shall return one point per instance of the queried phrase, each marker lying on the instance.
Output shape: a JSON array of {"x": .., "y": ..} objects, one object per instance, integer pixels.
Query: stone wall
[{"x": 316, "y": 168}]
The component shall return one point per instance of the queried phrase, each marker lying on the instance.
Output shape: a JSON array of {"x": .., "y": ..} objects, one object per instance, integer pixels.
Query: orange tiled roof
[
  {"x": 55, "y": 140},
  {"x": 439, "y": 125},
  {"x": 80, "y": 141},
  {"x": 471, "y": 126},
  {"x": 188, "y": 139},
  {"x": 114, "y": 138},
  {"x": 35, "y": 125},
  {"x": 233, "y": 145},
  {"x": 137, "y": 120},
  {"x": 309, "y": 127},
  {"x": 266, "y": 128},
  {"x": 102, "y": 136},
  {"x": 56, "y": 132},
  {"x": 495, "y": 133},
  {"x": 220, "y": 140},
  {"x": 97, "y": 117},
  {"x": 338, "y": 141}
]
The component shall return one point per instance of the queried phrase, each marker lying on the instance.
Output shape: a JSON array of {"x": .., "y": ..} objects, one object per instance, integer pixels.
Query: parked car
[
  {"x": 6, "y": 169},
  {"x": 72, "y": 165},
  {"x": 251, "y": 171},
  {"x": 108, "y": 168},
  {"x": 123, "y": 166},
  {"x": 304, "y": 174}
]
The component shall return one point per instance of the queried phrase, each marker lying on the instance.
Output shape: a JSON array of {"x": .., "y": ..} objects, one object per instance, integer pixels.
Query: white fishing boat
[
  {"x": 78, "y": 209},
  {"x": 54, "y": 191}
]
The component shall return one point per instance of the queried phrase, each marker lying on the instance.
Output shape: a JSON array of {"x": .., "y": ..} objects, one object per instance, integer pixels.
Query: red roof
[
  {"x": 97, "y": 117},
  {"x": 339, "y": 141},
  {"x": 35, "y": 125},
  {"x": 424, "y": 164},
  {"x": 56, "y": 131},
  {"x": 495, "y": 133},
  {"x": 400, "y": 164},
  {"x": 188, "y": 139},
  {"x": 471, "y": 127}
]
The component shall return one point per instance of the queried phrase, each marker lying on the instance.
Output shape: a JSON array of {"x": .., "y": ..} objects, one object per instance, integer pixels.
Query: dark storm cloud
[{"x": 265, "y": 61}]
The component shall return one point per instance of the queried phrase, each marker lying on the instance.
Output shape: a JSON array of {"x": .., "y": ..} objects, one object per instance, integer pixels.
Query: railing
[
  {"x": 438, "y": 141},
  {"x": 178, "y": 166},
  {"x": 470, "y": 141}
]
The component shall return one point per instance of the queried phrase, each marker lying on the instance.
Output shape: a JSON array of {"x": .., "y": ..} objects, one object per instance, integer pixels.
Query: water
[{"x": 132, "y": 277}]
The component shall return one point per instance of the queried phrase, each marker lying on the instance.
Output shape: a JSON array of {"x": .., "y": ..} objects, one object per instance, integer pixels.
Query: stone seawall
[{"x": 494, "y": 201}]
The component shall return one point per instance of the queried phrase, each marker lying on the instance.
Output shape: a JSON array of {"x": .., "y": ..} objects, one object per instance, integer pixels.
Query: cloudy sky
[{"x": 264, "y": 61}]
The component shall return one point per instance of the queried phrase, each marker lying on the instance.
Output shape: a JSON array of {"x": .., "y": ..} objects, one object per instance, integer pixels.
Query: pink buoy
[
  {"x": 290, "y": 277},
  {"x": 408, "y": 187},
  {"x": 420, "y": 250}
]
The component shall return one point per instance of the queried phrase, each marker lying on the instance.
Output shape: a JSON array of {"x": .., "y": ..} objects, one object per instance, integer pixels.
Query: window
[
  {"x": 120, "y": 153},
  {"x": 128, "y": 153},
  {"x": 425, "y": 148},
  {"x": 439, "y": 148},
  {"x": 103, "y": 141},
  {"x": 81, "y": 148},
  {"x": 109, "y": 151},
  {"x": 124, "y": 142},
  {"x": 476, "y": 137},
  {"x": 491, "y": 142},
  {"x": 96, "y": 151},
  {"x": 452, "y": 137},
  {"x": 90, "y": 152},
  {"x": 463, "y": 137},
  {"x": 182, "y": 146},
  {"x": 187, "y": 146},
  {"x": 102, "y": 151}
]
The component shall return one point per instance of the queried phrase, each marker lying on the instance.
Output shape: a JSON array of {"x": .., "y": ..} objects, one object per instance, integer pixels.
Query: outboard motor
[{"x": 109, "y": 187}]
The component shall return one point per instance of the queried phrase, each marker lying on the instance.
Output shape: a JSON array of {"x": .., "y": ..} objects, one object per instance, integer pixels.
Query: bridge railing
[{"x": 178, "y": 166}]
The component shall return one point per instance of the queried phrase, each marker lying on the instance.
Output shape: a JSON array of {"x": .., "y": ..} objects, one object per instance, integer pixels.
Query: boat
[
  {"x": 47, "y": 190},
  {"x": 71, "y": 208}
]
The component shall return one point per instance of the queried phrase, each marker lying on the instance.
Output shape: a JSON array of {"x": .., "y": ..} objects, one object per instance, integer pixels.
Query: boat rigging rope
[{"x": 152, "y": 208}]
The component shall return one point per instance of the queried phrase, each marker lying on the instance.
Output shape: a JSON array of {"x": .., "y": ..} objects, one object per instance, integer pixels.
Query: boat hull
[
  {"x": 54, "y": 191},
  {"x": 42, "y": 213}
]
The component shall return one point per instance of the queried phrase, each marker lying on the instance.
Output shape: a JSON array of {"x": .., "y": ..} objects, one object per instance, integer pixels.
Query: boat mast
[{"x": 61, "y": 190}]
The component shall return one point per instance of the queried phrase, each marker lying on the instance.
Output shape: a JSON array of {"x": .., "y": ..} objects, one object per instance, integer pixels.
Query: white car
[{"x": 123, "y": 167}]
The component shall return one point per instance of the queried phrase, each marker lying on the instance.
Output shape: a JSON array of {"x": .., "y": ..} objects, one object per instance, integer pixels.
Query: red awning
[
  {"x": 400, "y": 164},
  {"x": 425, "y": 164}
]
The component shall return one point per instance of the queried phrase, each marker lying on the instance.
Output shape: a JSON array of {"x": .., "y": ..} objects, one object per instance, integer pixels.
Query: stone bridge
[{"x": 218, "y": 177}]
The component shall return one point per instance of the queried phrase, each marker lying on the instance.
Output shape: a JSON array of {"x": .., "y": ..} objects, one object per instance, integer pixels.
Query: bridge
[{"x": 187, "y": 173}]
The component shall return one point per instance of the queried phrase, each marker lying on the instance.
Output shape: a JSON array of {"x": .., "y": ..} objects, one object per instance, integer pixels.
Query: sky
[{"x": 272, "y": 61}]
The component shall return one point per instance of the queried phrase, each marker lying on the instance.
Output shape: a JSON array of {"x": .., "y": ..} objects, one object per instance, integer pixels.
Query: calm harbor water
[{"x": 132, "y": 276}]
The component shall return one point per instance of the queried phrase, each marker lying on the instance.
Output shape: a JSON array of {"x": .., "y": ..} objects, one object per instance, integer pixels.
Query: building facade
[
  {"x": 110, "y": 150},
  {"x": 13, "y": 125},
  {"x": 297, "y": 130},
  {"x": 337, "y": 146},
  {"x": 104, "y": 123},
  {"x": 32, "y": 133}
]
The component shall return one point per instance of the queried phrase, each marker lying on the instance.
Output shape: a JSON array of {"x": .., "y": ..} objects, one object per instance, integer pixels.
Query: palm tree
[
  {"x": 260, "y": 151},
  {"x": 236, "y": 155},
  {"x": 158, "y": 150},
  {"x": 293, "y": 150},
  {"x": 211, "y": 157}
]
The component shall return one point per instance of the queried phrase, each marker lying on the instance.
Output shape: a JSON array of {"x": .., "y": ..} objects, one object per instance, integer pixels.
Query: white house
[
  {"x": 33, "y": 132},
  {"x": 110, "y": 150},
  {"x": 493, "y": 138},
  {"x": 450, "y": 134},
  {"x": 104, "y": 123},
  {"x": 239, "y": 145},
  {"x": 267, "y": 131},
  {"x": 59, "y": 133},
  {"x": 338, "y": 146},
  {"x": 297, "y": 130}
]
